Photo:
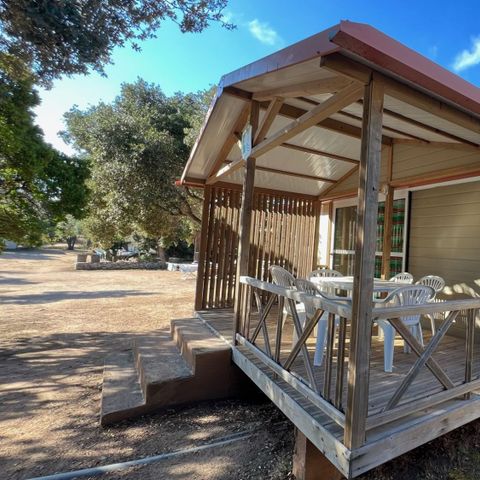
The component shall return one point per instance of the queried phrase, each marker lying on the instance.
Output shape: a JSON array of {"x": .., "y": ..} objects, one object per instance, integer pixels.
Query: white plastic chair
[
  {"x": 284, "y": 278},
  {"x": 324, "y": 272},
  {"x": 437, "y": 283},
  {"x": 311, "y": 289},
  {"x": 402, "y": 296},
  {"x": 403, "y": 277}
]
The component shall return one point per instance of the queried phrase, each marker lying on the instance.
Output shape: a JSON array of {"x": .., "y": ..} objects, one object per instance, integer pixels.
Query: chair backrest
[
  {"x": 410, "y": 295},
  {"x": 309, "y": 288},
  {"x": 437, "y": 283},
  {"x": 282, "y": 277},
  {"x": 324, "y": 272},
  {"x": 403, "y": 277}
]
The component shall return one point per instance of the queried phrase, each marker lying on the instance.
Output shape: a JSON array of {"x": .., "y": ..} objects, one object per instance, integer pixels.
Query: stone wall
[{"x": 121, "y": 265}]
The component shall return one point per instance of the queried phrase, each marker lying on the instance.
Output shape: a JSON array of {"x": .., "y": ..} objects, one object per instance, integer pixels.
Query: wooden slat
[
  {"x": 342, "y": 99},
  {"x": 208, "y": 267},
  {"x": 201, "y": 273},
  {"x": 469, "y": 347},
  {"x": 360, "y": 337}
]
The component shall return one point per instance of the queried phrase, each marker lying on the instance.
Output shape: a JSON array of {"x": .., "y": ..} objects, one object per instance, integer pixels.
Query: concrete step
[
  {"x": 122, "y": 396},
  {"x": 185, "y": 365},
  {"x": 158, "y": 361}
]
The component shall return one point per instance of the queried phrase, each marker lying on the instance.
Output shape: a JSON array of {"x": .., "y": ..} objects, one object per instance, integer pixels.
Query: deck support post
[
  {"x": 311, "y": 464},
  {"x": 362, "y": 302},
  {"x": 199, "y": 290},
  {"x": 243, "y": 252},
  {"x": 388, "y": 218}
]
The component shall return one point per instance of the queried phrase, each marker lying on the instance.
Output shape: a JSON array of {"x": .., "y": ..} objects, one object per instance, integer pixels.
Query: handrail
[
  {"x": 341, "y": 308},
  {"x": 426, "y": 308}
]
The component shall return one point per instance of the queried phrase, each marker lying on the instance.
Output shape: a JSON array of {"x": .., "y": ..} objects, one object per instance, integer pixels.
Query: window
[{"x": 345, "y": 220}]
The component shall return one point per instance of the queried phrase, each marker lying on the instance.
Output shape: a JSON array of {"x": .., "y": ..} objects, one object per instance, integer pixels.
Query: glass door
[{"x": 345, "y": 224}]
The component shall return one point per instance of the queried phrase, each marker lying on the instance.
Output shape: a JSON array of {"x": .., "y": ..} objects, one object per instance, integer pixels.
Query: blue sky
[{"x": 446, "y": 32}]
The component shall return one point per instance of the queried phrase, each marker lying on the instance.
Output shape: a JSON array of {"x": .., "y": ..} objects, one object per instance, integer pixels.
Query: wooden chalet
[{"x": 365, "y": 157}]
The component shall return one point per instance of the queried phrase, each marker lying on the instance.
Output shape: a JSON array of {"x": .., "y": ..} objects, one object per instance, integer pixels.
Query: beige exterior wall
[
  {"x": 444, "y": 240},
  {"x": 445, "y": 236},
  {"x": 414, "y": 161}
]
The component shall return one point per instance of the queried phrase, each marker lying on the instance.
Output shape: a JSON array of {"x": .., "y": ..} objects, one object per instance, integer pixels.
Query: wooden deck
[{"x": 382, "y": 443}]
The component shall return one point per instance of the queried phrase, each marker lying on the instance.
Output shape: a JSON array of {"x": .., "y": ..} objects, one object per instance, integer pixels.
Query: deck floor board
[{"x": 450, "y": 354}]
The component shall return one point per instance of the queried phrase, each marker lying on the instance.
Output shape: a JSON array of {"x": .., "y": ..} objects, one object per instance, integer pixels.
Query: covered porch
[{"x": 346, "y": 114}]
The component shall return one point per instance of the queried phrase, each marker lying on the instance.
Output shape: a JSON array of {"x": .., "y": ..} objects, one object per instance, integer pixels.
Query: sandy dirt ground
[{"x": 57, "y": 326}]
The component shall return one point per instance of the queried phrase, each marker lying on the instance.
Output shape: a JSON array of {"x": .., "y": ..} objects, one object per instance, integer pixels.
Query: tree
[
  {"x": 137, "y": 150},
  {"x": 38, "y": 185},
  {"x": 57, "y": 37},
  {"x": 69, "y": 230}
]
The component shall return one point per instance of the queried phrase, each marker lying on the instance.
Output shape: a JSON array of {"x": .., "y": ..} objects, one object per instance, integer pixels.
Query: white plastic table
[{"x": 346, "y": 283}]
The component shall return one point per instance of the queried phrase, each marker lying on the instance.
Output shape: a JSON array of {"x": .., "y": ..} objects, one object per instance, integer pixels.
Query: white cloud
[
  {"x": 468, "y": 58},
  {"x": 263, "y": 32}
]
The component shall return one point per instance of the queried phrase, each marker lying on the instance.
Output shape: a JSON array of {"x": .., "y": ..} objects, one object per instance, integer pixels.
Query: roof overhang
[{"x": 303, "y": 76}]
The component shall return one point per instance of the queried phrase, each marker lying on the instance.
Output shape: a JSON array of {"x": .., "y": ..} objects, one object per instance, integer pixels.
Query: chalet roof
[{"x": 424, "y": 103}]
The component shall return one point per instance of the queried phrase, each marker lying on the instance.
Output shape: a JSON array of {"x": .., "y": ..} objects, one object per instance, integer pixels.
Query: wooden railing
[
  {"x": 451, "y": 309},
  {"x": 325, "y": 397},
  {"x": 262, "y": 334}
]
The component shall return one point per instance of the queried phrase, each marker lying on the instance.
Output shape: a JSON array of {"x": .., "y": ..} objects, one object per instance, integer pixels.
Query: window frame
[{"x": 353, "y": 201}]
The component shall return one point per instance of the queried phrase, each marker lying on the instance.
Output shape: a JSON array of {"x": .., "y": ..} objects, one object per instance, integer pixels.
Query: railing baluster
[
  {"x": 278, "y": 335},
  {"x": 469, "y": 348},
  {"x": 248, "y": 310},
  {"x": 327, "y": 381},
  {"x": 342, "y": 334}
]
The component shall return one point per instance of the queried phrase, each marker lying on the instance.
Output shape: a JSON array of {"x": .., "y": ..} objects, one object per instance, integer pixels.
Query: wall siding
[{"x": 444, "y": 238}]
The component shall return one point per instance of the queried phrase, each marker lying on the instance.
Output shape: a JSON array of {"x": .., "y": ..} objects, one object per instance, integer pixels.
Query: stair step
[
  {"x": 122, "y": 396},
  {"x": 158, "y": 361},
  {"x": 195, "y": 339},
  {"x": 168, "y": 368}
]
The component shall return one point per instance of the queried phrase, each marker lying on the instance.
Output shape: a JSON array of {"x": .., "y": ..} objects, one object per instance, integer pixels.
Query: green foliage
[
  {"x": 38, "y": 185},
  {"x": 58, "y": 37},
  {"x": 69, "y": 230},
  {"x": 137, "y": 149}
]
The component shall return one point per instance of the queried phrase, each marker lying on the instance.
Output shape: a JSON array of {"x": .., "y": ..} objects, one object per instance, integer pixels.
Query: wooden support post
[
  {"x": 388, "y": 219},
  {"x": 311, "y": 464},
  {"x": 199, "y": 290},
  {"x": 361, "y": 328},
  {"x": 243, "y": 252}
]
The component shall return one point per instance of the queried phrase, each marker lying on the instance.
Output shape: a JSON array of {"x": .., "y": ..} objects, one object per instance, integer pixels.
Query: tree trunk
[
  {"x": 161, "y": 252},
  {"x": 71, "y": 242}
]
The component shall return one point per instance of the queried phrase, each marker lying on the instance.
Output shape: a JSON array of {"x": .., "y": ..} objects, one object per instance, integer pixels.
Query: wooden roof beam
[
  {"x": 231, "y": 139},
  {"x": 314, "y": 87},
  {"x": 331, "y": 124},
  {"x": 343, "y": 98},
  {"x": 355, "y": 71},
  {"x": 225, "y": 171},
  {"x": 268, "y": 119}
]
